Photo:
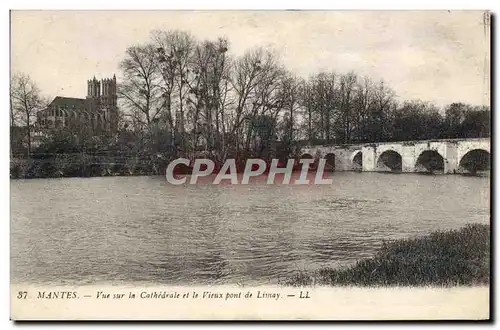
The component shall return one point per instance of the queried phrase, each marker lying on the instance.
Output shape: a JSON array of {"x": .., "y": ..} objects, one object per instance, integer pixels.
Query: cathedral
[{"x": 97, "y": 112}]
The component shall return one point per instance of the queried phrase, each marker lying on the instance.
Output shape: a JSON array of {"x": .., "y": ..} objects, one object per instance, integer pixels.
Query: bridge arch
[
  {"x": 357, "y": 161},
  {"x": 306, "y": 156},
  {"x": 330, "y": 162},
  {"x": 430, "y": 161},
  {"x": 390, "y": 161},
  {"x": 476, "y": 160}
]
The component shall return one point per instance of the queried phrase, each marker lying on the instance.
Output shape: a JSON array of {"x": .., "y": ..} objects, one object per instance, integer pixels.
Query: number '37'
[{"x": 22, "y": 294}]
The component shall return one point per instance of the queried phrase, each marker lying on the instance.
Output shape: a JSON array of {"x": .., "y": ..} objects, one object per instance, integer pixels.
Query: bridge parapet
[{"x": 444, "y": 155}]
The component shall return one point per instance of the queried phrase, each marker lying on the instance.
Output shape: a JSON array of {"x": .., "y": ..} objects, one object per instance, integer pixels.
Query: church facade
[{"x": 97, "y": 112}]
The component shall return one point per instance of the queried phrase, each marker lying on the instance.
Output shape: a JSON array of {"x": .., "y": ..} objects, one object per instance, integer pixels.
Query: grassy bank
[{"x": 455, "y": 257}]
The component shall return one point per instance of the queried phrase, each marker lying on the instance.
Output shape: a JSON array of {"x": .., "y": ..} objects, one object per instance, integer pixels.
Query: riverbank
[
  {"x": 450, "y": 258},
  {"x": 83, "y": 166}
]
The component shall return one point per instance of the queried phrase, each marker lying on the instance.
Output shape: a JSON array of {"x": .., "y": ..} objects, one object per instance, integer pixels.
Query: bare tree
[
  {"x": 247, "y": 70},
  {"x": 255, "y": 83},
  {"x": 182, "y": 47},
  {"x": 307, "y": 103},
  {"x": 140, "y": 91},
  {"x": 290, "y": 90},
  {"x": 25, "y": 101},
  {"x": 362, "y": 99},
  {"x": 320, "y": 100},
  {"x": 381, "y": 112},
  {"x": 12, "y": 114},
  {"x": 166, "y": 68},
  {"x": 348, "y": 84},
  {"x": 175, "y": 51},
  {"x": 216, "y": 88}
]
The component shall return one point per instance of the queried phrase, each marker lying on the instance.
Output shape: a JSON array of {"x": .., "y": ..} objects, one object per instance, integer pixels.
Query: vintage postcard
[{"x": 250, "y": 165}]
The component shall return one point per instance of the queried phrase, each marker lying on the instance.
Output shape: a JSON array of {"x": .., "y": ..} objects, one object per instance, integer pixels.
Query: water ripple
[{"x": 139, "y": 229}]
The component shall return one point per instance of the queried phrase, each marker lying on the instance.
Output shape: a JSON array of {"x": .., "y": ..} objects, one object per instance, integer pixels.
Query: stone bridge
[{"x": 435, "y": 156}]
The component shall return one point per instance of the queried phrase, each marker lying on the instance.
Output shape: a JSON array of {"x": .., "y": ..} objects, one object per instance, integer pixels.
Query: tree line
[{"x": 182, "y": 96}]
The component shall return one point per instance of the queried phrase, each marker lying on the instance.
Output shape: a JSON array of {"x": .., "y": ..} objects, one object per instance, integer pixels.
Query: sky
[{"x": 436, "y": 56}]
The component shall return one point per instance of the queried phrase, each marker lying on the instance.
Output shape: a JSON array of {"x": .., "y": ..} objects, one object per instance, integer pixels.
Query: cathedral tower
[
  {"x": 109, "y": 96},
  {"x": 101, "y": 104},
  {"x": 93, "y": 88},
  {"x": 108, "y": 102}
]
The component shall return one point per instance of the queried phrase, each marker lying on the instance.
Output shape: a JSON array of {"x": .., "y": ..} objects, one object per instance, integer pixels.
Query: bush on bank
[{"x": 443, "y": 258}]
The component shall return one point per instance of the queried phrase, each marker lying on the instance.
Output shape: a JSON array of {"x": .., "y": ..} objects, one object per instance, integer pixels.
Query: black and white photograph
[{"x": 250, "y": 164}]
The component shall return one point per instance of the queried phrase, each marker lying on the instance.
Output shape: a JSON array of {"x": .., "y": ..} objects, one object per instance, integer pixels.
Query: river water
[{"x": 114, "y": 230}]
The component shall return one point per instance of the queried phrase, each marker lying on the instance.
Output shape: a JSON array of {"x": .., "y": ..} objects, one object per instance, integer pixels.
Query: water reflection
[{"x": 140, "y": 229}]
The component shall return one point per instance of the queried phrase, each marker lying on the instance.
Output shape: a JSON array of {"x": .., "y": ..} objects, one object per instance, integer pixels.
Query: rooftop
[{"x": 68, "y": 102}]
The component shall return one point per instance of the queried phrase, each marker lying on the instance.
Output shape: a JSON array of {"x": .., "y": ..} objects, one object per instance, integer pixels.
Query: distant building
[{"x": 98, "y": 111}]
